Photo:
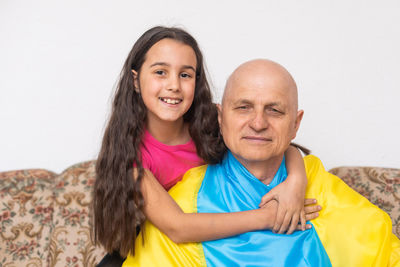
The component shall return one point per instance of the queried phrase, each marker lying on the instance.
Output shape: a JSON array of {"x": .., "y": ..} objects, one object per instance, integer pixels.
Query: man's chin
[{"x": 255, "y": 156}]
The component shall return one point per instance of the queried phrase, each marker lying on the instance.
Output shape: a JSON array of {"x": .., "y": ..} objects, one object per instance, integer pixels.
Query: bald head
[
  {"x": 258, "y": 117},
  {"x": 262, "y": 73}
]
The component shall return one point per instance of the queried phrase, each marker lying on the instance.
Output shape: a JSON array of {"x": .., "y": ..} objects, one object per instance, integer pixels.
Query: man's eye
[
  {"x": 274, "y": 110},
  {"x": 242, "y": 107}
]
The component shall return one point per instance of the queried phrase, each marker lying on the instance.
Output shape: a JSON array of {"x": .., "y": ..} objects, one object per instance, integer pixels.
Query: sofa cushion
[
  {"x": 380, "y": 185},
  {"x": 71, "y": 243},
  {"x": 26, "y": 217}
]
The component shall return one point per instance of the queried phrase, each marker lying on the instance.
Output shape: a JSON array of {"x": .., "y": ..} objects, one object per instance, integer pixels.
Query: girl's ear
[{"x": 135, "y": 81}]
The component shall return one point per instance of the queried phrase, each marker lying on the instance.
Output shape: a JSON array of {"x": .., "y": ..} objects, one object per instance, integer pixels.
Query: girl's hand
[
  {"x": 290, "y": 194},
  {"x": 290, "y": 197},
  {"x": 311, "y": 210}
]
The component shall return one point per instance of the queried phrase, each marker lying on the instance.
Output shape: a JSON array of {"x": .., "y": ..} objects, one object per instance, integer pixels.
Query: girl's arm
[
  {"x": 181, "y": 227},
  {"x": 290, "y": 194}
]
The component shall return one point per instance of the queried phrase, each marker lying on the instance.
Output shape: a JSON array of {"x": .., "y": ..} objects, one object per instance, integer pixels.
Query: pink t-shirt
[{"x": 168, "y": 163}]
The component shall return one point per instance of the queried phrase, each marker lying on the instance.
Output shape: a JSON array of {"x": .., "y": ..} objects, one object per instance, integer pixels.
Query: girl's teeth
[{"x": 170, "y": 101}]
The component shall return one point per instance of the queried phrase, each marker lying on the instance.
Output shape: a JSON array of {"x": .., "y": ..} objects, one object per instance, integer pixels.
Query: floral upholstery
[
  {"x": 26, "y": 217},
  {"x": 71, "y": 243},
  {"x": 44, "y": 217},
  {"x": 380, "y": 185}
]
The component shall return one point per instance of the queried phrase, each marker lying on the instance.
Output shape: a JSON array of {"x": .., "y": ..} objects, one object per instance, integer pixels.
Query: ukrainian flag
[{"x": 350, "y": 231}]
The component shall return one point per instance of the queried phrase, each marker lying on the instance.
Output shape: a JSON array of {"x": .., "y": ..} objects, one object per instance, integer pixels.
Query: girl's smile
[
  {"x": 167, "y": 81},
  {"x": 172, "y": 101}
]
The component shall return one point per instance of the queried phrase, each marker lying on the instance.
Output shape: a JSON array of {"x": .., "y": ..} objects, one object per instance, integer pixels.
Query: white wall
[{"x": 59, "y": 61}]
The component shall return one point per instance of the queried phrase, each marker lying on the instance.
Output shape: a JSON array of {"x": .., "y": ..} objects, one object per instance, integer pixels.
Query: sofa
[{"x": 44, "y": 216}]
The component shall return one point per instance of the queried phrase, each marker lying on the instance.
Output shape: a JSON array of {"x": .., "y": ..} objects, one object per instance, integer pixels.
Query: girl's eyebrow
[
  {"x": 189, "y": 67},
  {"x": 159, "y": 64},
  {"x": 168, "y": 65}
]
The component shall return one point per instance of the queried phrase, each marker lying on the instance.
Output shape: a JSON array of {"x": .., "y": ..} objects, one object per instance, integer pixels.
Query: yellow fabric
[
  {"x": 353, "y": 231},
  {"x": 158, "y": 250},
  {"x": 395, "y": 255}
]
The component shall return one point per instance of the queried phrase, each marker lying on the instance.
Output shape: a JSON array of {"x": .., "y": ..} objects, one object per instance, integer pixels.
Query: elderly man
[{"x": 258, "y": 119}]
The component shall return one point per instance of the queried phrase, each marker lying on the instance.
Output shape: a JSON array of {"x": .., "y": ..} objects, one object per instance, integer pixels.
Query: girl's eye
[
  {"x": 159, "y": 72},
  {"x": 186, "y": 75}
]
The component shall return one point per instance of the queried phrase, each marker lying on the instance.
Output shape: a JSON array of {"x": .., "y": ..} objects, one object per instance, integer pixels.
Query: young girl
[{"x": 163, "y": 123}]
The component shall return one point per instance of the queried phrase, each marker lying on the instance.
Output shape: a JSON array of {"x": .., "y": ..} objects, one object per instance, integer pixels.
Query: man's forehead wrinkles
[{"x": 247, "y": 94}]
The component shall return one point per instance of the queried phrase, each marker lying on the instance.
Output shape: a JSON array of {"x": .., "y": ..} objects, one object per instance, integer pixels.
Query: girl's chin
[{"x": 167, "y": 119}]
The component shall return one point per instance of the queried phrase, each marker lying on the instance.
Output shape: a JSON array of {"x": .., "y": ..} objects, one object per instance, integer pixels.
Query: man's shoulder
[
  {"x": 313, "y": 163},
  {"x": 334, "y": 188},
  {"x": 318, "y": 175},
  {"x": 315, "y": 170}
]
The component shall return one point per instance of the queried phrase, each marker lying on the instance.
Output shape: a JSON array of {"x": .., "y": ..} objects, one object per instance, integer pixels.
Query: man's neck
[{"x": 263, "y": 170}]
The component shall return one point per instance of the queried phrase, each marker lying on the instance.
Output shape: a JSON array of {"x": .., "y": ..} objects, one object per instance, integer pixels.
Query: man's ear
[
  {"x": 135, "y": 81},
  {"x": 219, "y": 109},
  {"x": 299, "y": 117}
]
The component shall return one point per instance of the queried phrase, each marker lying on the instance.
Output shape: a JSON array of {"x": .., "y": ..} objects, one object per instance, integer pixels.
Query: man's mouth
[
  {"x": 257, "y": 138},
  {"x": 172, "y": 101}
]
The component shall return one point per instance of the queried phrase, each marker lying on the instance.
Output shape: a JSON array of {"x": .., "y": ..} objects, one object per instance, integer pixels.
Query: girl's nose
[{"x": 173, "y": 83}]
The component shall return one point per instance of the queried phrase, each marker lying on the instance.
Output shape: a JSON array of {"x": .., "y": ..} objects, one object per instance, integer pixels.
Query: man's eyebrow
[
  {"x": 274, "y": 104},
  {"x": 242, "y": 102},
  {"x": 168, "y": 65},
  {"x": 248, "y": 102}
]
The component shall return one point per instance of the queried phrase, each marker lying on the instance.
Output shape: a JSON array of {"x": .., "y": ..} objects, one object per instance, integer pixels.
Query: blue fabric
[{"x": 230, "y": 187}]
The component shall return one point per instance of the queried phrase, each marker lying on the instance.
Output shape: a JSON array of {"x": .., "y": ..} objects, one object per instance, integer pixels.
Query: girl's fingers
[
  {"x": 310, "y": 201},
  {"x": 303, "y": 219},
  {"x": 311, "y": 216},
  {"x": 308, "y": 226},
  {"x": 312, "y": 209}
]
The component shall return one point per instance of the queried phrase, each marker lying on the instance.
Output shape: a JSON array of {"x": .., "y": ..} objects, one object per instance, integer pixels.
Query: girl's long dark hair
[{"x": 117, "y": 198}]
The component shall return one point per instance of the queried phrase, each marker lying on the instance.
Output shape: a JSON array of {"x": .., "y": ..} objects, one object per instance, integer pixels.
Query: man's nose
[
  {"x": 258, "y": 121},
  {"x": 173, "y": 83}
]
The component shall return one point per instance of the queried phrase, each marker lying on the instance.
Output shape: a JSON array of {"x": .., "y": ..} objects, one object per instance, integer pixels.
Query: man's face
[{"x": 258, "y": 116}]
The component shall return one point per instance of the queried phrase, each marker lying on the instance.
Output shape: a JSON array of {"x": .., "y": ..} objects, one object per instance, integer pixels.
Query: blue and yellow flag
[{"x": 350, "y": 231}]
